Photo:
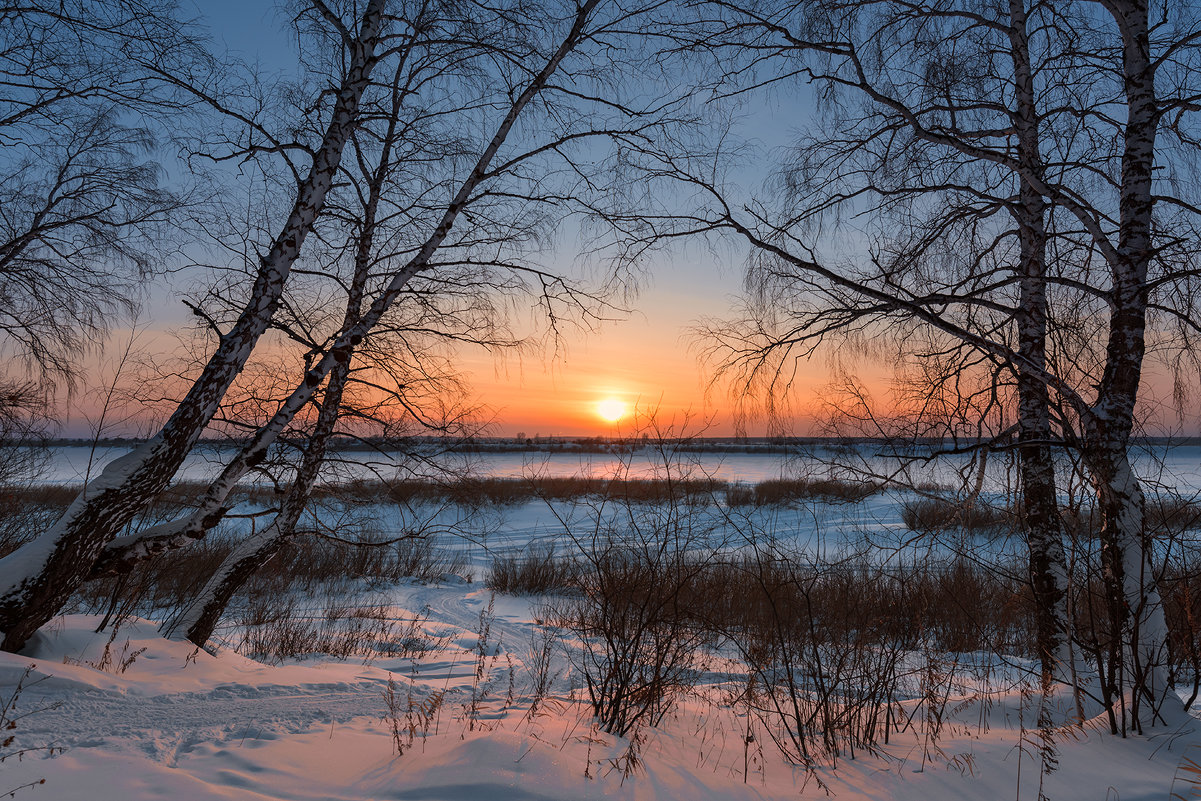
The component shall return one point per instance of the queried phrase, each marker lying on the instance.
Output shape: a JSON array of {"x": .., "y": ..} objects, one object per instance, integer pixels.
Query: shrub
[
  {"x": 341, "y": 631},
  {"x": 783, "y": 491},
  {"x": 639, "y": 644},
  {"x": 829, "y": 647},
  {"x": 537, "y": 570},
  {"x": 928, "y": 515}
]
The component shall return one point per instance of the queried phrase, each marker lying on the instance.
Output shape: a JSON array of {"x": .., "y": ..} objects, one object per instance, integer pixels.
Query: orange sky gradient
[{"x": 648, "y": 361}]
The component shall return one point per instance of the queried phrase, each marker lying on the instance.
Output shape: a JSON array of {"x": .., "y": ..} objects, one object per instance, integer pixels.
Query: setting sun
[{"x": 611, "y": 409}]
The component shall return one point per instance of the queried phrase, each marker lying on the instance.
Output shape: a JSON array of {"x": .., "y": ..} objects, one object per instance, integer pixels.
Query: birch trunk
[
  {"x": 123, "y": 553},
  {"x": 127, "y": 551},
  {"x": 201, "y": 616},
  {"x": 1047, "y": 560},
  {"x": 1127, "y": 559}
]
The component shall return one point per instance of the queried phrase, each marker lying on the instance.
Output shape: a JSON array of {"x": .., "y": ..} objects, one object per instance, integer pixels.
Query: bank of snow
[{"x": 182, "y": 723}]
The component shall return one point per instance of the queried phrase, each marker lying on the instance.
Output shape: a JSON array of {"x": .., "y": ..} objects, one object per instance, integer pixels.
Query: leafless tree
[
  {"x": 968, "y": 161},
  {"x": 955, "y": 242},
  {"x": 39, "y": 577},
  {"x": 85, "y": 211},
  {"x": 425, "y": 273},
  {"x": 448, "y": 283}
]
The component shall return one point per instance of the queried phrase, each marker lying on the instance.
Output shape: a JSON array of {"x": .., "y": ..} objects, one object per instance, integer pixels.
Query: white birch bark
[
  {"x": 1048, "y": 562},
  {"x": 198, "y": 619},
  {"x": 1128, "y": 556}
]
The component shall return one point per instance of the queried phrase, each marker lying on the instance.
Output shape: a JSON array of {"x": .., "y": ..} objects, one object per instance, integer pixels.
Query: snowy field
[
  {"x": 188, "y": 725},
  {"x": 481, "y": 701}
]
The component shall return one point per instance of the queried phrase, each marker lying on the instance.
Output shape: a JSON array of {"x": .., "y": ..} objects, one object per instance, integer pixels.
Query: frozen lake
[
  {"x": 1176, "y": 469},
  {"x": 874, "y": 522},
  {"x": 72, "y": 464}
]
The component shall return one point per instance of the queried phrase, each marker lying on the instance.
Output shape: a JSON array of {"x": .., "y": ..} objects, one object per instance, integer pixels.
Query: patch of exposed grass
[
  {"x": 538, "y": 570},
  {"x": 784, "y": 491},
  {"x": 305, "y": 566},
  {"x": 1165, "y": 514},
  {"x": 927, "y": 515},
  {"x": 341, "y": 630}
]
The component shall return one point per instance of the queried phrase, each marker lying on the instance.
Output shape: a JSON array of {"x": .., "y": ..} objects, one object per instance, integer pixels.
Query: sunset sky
[{"x": 646, "y": 361}]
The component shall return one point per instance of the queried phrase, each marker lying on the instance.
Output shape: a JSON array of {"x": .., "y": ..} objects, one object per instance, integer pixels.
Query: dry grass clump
[
  {"x": 289, "y": 630},
  {"x": 832, "y": 649},
  {"x": 783, "y": 491},
  {"x": 509, "y": 491},
  {"x": 538, "y": 570},
  {"x": 55, "y": 495},
  {"x": 829, "y": 648},
  {"x": 1173, "y": 514},
  {"x": 959, "y": 607},
  {"x": 1165, "y": 514},
  {"x": 306, "y": 566},
  {"x": 25, "y": 511},
  {"x": 308, "y": 561},
  {"x": 927, "y": 515},
  {"x": 28, "y": 509}
]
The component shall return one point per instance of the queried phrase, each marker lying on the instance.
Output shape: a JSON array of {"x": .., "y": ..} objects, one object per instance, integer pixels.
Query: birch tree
[
  {"x": 508, "y": 168},
  {"x": 957, "y": 241},
  {"x": 36, "y": 579},
  {"x": 545, "y": 122},
  {"x": 944, "y": 121}
]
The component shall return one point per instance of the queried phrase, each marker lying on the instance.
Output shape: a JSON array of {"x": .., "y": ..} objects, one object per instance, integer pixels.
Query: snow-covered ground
[{"x": 182, "y": 723}]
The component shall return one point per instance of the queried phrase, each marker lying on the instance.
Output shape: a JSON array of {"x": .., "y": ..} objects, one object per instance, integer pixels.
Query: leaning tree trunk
[
  {"x": 122, "y": 554},
  {"x": 202, "y": 614},
  {"x": 198, "y": 620},
  {"x": 37, "y": 579}
]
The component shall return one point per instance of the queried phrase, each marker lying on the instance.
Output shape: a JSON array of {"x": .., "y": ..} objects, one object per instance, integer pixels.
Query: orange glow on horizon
[{"x": 645, "y": 369}]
